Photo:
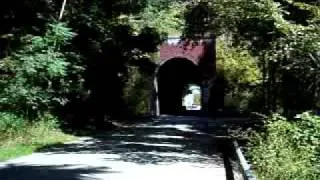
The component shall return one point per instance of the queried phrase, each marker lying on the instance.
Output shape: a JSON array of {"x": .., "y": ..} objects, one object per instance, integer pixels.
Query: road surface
[{"x": 167, "y": 148}]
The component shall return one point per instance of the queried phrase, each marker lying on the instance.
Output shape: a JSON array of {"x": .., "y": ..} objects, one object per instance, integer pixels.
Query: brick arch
[
  {"x": 202, "y": 54},
  {"x": 174, "y": 47}
]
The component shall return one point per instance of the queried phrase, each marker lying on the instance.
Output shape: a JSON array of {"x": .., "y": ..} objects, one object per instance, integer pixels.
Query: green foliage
[
  {"x": 241, "y": 72},
  {"x": 39, "y": 73},
  {"x": 138, "y": 91},
  {"x": 237, "y": 65},
  {"x": 300, "y": 57},
  {"x": 282, "y": 35},
  {"x": 10, "y": 124},
  {"x": 308, "y": 133},
  {"x": 18, "y": 136},
  {"x": 287, "y": 150},
  {"x": 269, "y": 39},
  {"x": 166, "y": 17}
]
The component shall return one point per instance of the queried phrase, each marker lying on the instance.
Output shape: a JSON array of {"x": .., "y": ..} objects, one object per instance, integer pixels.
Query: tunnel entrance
[{"x": 173, "y": 77}]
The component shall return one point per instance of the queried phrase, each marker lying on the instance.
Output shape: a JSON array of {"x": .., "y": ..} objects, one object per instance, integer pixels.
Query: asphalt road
[{"x": 168, "y": 148}]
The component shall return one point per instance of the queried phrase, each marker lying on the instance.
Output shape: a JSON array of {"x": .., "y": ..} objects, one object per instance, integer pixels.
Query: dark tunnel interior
[{"x": 173, "y": 76}]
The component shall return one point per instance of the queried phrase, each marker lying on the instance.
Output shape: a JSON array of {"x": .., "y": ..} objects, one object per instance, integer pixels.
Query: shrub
[
  {"x": 10, "y": 124},
  {"x": 241, "y": 72},
  {"x": 167, "y": 20},
  {"x": 287, "y": 149},
  {"x": 19, "y": 136},
  {"x": 137, "y": 91},
  {"x": 38, "y": 75}
]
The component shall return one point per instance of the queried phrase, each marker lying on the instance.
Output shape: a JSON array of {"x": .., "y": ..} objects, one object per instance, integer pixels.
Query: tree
[{"x": 272, "y": 31}]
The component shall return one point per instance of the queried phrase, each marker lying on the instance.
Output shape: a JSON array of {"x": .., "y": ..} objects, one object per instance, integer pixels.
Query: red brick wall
[{"x": 191, "y": 52}]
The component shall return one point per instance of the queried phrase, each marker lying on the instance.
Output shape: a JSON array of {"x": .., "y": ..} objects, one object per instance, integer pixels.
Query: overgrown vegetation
[
  {"x": 96, "y": 64},
  {"x": 38, "y": 76},
  {"x": 277, "y": 43},
  {"x": 21, "y": 137},
  {"x": 138, "y": 91},
  {"x": 287, "y": 149},
  {"x": 242, "y": 75}
]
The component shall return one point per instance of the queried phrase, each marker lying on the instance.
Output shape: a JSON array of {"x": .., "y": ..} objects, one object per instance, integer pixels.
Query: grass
[
  {"x": 19, "y": 137},
  {"x": 16, "y": 150}
]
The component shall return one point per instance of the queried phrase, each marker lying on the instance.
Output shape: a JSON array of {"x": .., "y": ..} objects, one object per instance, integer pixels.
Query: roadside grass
[
  {"x": 19, "y": 137},
  {"x": 287, "y": 149}
]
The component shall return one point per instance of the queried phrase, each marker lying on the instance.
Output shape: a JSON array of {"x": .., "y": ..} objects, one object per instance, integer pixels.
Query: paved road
[{"x": 168, "y": 148}]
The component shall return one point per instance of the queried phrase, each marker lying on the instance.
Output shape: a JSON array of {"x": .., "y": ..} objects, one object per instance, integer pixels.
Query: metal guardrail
[{"x": 245, "y": 167}]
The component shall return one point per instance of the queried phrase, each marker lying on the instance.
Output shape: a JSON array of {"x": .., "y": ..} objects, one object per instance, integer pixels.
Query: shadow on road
[
  {"x": 33, "y": 172},
  {"x": 165, "y": 141}
]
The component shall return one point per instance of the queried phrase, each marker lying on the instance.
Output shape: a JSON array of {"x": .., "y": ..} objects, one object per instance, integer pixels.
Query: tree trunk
[{"x": 62, "y": 9}]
